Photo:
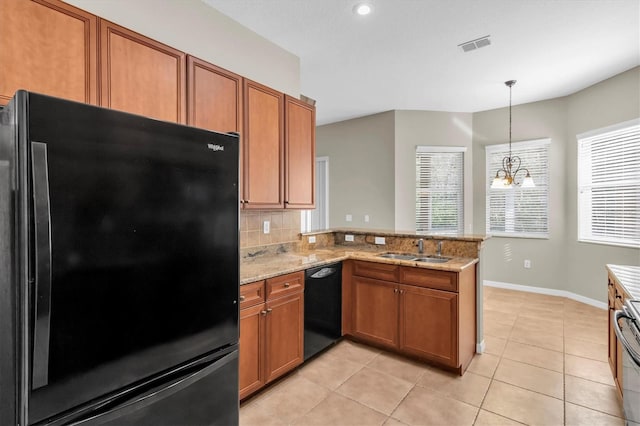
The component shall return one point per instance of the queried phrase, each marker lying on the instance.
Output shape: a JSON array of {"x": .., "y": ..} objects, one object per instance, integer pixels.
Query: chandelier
[{"x": 506, "y": 176}]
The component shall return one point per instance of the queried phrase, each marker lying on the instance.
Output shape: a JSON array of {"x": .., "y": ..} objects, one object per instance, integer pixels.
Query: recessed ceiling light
[{"x": 362, "y": 9}]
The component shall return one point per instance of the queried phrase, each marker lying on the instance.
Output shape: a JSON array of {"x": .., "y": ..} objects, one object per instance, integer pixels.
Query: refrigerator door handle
[
  {"x": 130, "y": 405},
  {"x": 42, "y": 219}
]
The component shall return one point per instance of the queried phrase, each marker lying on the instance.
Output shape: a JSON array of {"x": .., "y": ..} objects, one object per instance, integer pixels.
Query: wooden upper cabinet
[
  {"x": 263, "y": 147},
  {"x": 300, "y": 154},
  {"x": 214, "y": 97},
  {"x": 140, "y": 75},
  {"x": 47, "y": 47}
]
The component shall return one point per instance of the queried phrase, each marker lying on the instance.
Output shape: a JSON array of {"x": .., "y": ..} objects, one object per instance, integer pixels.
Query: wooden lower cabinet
[
  {"x": 251, "y": 349},
  {"x": 409, "y": 317},
  {"x": 616, "y": 300},
  {"x": 429, "y": 323},
  {"x": 271, "y": 330},
  {"x": 284, "y": 334},
  {"x": 375, "y": 311}
]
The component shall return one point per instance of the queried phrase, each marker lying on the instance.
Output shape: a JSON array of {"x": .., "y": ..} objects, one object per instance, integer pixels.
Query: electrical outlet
[
  {"x": 527, "y": 263},
  {"x": 312, "y": 239},
  {"x": 379, "y": 240},
  {"x": 348, "y": 218},
  {"x": 266, "y": 227},
  {"x": 348, "y": 237},
  {"x": 366, "y": 218}
]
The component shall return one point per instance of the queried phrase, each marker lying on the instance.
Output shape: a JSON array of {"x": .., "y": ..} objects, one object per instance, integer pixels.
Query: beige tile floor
[{"x": 545, "y": 364}]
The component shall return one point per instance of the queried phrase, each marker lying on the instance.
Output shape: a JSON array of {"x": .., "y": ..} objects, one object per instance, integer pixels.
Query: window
[
  {"x": 440, "y": 189},
  {"x": 519, "y": 212},
  {"x": 609, "y": 185}
]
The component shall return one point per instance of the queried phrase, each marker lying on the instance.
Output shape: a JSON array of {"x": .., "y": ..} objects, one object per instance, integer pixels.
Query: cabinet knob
[
  {"x": 242, "y": 298},
  {"x": 241, "y": 201},
  {"x": 287, "y": 285},
  {"x": 269, "y": 310},
  {"x": 395, "y": 290},
  {"x": 263, "y": 312},
  {"x": 618, "y": 297}
]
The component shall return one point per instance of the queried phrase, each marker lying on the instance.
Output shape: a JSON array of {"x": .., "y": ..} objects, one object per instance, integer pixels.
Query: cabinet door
[
  {"x": 263, "y": 143},
  {"x": 140, "y": 75},
  {"x": 375, "y": 311},
  {"x": 214, "y": 97},
  {"x": 48, "y": 47},
  {"x": 300, "y": 154},
  {"x": 429, "y": 324},
  {"x": 613, "y": 340},
  {"x": 618, "y": 304},
  {"x": 251, "y": 349},
  {"x": 284, "y": 335}
]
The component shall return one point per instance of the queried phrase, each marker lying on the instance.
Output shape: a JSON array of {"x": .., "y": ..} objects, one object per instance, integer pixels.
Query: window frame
[
  {"x": 516, "y": 147},
  {"x": 586, "y": 137},
  {"x": 460, "y": 214}
]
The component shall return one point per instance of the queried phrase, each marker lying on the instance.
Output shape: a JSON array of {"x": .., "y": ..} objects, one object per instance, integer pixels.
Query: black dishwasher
[{"x": 322, "y": 308}]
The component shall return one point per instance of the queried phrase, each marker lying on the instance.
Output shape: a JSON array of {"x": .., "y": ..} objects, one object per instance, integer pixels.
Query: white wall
[
  {"x": 361, "y": 175},
  {"x": 611, "y": 101},
  {"x": 199, "y": 30},
  {"x": 560, "y": 262},
  {"x": 430, "y": 128},
  {"x": 504, "y": 257}
]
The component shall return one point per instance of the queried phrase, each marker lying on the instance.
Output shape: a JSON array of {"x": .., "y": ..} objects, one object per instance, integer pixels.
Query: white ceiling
[{"x": 405, "y": 55}]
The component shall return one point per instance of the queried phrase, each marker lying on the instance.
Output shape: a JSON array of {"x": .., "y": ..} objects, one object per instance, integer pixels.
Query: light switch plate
[
  {"x": 266, "y": 227},
  {"x": 366, "y": 218},
  {"x": 348, "y": 218},
  {"x": 312, "y": 239},
  {"x": 379, "y": 240},
  {"x": 348, "y": 237}
]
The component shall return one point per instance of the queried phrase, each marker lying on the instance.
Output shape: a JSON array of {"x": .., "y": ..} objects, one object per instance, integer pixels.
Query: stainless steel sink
[
  {"x": 414, "y": 258},
  {"x": 399, "y": 256},
  {"x": 430, "y": 259}
]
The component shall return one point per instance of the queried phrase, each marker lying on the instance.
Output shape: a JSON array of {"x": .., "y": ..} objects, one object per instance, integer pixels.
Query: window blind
[
  {"x": 519, "y": 212},
  {"x": 440, "y": 189},
  {"x": 609, "y": 185}
]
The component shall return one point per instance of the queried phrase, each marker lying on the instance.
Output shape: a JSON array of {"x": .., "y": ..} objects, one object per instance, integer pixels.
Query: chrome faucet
[
  {"x": 420, "y": 246},
  {"x": 439, "y": 249}
]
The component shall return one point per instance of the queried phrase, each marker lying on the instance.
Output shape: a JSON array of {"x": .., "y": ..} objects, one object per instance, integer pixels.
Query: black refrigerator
[{"x": 119, "y": 268}]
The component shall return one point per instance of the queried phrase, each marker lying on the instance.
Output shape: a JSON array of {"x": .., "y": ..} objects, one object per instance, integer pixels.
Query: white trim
[
  {"x": 548, "y": 291},
  {"x": 519, "y": 145},
  {"x": 325, "y": 160},
  {"x": 480, "y": 347},
  {"x": 430, "y": 148},
  {"x": 596, "y": 132}
]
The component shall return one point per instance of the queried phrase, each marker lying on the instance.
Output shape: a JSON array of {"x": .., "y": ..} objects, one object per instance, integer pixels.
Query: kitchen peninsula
[{"x": 391, "y": 297}]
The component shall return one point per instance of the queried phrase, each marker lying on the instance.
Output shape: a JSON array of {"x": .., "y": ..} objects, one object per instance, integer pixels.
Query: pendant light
[{"x": 506, "y": 176}]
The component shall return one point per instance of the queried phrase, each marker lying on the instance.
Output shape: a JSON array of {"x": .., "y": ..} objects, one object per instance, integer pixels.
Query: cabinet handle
[
  {"x": 618, "y": 297},
  {"x": 263, "y": 312},
  {"x": 269, "y": 310},
  {"x": 401, "y": 291},
  {"x": 286, "y": 285},
  {"x": 241, "y": 201},
  {"x": 242, "y": 298},
  {"x": 286, "y": 202},
  {"x": 395, "y": 290}
]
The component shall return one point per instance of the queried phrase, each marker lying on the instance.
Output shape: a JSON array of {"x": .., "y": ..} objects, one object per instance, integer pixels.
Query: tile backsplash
[{"x": 285, "y": 227}]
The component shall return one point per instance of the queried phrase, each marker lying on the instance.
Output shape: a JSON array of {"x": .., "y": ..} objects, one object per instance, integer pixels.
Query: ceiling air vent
[{"x": 475, "y": 44}]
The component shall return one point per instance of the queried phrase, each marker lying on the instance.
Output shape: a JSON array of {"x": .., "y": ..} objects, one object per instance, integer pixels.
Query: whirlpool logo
[{"x": 215, "y": 147}]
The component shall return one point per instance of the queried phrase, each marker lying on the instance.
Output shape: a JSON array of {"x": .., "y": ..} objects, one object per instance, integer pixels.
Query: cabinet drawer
[
  {"x": 379, "y": 271},
  {"x": 285, "y": 285},
  {"x": 251, "y": 294},
  {"x": 430, "y": 278}
]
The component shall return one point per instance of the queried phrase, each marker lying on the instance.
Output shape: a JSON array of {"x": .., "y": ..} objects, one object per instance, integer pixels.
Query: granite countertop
[
  {"x": 628, "y": 277},
  {"x": 270, "y": 265},
  {"x": 394, "y": 233}
]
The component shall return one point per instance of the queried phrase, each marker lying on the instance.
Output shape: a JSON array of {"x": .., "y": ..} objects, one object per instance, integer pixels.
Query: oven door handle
[{"x": 618, "y": 315}]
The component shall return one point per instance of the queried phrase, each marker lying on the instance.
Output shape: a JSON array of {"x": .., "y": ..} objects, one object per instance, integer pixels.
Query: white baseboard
[
  {"x": 549, "y": 291},
  {"x": 480, "y": 347}
]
